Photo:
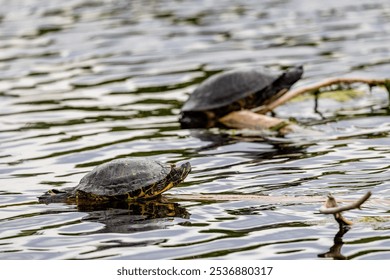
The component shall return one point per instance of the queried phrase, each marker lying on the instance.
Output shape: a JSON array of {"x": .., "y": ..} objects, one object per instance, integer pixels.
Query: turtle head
[
  {"x": 195, "y": 119},
  {"x": 288, "y": 78},
  {"x": 178, "y": 174},
  {"x": 175, "y": 177}
]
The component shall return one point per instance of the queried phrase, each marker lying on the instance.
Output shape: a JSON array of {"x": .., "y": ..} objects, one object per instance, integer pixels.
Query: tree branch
[
  {"x": 246, "y": 119},
  {"x": 331, "y": 207},
  {"x": 317, "y": 86}
]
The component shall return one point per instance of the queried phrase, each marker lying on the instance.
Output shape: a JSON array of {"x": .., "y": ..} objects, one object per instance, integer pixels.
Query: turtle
[
  {"x": 234, "y": 90},
  {"x": 121, "y": 180}
]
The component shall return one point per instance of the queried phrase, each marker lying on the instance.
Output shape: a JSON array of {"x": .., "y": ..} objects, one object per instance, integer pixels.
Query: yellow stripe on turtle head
[{"x": 167, "y": 187}]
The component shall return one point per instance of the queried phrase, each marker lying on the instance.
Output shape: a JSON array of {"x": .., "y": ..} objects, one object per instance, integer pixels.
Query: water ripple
[{"x": 83, "y": 82}]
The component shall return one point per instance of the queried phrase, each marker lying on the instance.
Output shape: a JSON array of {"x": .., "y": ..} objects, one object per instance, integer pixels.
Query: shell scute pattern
[{"x": 121, "y": 176}]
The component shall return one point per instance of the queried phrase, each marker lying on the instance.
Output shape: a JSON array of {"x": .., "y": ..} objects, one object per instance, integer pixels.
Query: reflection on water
[
  {"x": 135, "y": 216},
  {"x": 335, "y": 251},
  {"x": 85, "y": 82}
]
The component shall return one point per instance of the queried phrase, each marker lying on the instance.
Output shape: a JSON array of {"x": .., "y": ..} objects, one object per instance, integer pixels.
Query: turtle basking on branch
[
  {"x": 121, "y": 180},
  {"x": 233, "y": 91}
]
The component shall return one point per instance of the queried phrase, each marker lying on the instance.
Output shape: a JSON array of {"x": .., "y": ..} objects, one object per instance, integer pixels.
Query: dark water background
[{"x": 84, "y": 82}]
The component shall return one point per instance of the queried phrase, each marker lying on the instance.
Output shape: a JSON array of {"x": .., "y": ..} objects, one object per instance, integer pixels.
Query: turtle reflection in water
[
  {"x": 233, "y": 91},
  {"x": 135, "y": 216},
  {"x": 126, "y": 179}
]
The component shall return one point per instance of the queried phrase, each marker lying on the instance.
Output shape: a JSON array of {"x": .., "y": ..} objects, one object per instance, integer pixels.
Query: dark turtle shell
[
  {"x": 235, "y": 90},
  {"x": 121, "y": 176}
]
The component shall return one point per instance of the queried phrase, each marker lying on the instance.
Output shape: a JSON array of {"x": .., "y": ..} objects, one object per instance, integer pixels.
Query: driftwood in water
[
  {"x": 278, "y": 200},
  {"x": 246, "y": 197},
  {"x": 255, "y": 120},
  {"x": 317, "y": 86},
  {"x": 246, "y": 119},
  {"x": 331, "y": 207}
]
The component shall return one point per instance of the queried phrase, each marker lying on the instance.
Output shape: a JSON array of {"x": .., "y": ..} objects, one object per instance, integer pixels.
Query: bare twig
[
  {"x": 328, "y": 208},
  {"x": 315, "y": 87},
  {"x": 331, "y": 207}
]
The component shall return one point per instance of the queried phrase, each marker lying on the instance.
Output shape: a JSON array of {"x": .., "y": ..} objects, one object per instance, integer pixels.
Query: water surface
[{"x": 84, "y": 82}]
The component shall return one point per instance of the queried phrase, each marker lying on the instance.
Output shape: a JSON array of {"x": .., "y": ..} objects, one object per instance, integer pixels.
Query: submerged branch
[{"x": 317, "y": 86}]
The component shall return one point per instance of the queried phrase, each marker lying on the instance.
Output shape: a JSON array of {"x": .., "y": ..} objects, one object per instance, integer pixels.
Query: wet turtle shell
[
  {"x": 232, "y": 91},
  {"x": 123, "y": 179},
  {"x": 122, "y": 176}
]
